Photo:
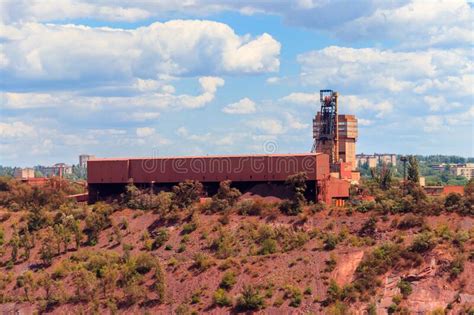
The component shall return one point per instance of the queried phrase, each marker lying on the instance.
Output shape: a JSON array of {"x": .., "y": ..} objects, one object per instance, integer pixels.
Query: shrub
[
  {"x": 225, "y": 192},
  {"x": 223, "y": 245},
  {"x": 410, "y": 221},
  {"x": 294, "y": 294},
  {"x": 330, "y": 242},
  {"x": 456, "y": 267},
  {"x": 202, "y": 262},
  {"x": 250, "y": 299},
  {"x": 144, "y": 263},
  {"x": 187, "y": 192},
  {"x": 220, "y": 298},
  {"x": 249, "y": 207},
  {"x": 334, "y": 292},
  {"x": 228, "y": 280},
  {"x": 405, "y": 288},
  {"x": 379, "y": 261},
  {"x": 161, "y": 237},
  {"x": 331, "y": 263},
  {"x": 422, "y": 242},
  {"x": 369, "y": 227},
  {"x": 190, "y": 227},
  {"x": 289, "y": 207},
  {"x": 97, "y": 221},
  {"x": 269, "y": 246},
  {"x": 452, "y": 201}
]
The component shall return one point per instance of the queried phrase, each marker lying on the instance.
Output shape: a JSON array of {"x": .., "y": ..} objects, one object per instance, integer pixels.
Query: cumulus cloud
[
  {"x": 244, "y": 106},
  {"x": 75, "y": 53},
  {"x": 145, "y": 132},
  {"x": 411, "y": 22},
  {"x": 268, "y": 125},
  {"x": 160, "y": 100},
  {"x": 16, "y": 129},
  {"x": 301, "y": 98},
  {"x": 294, "y": 123}
]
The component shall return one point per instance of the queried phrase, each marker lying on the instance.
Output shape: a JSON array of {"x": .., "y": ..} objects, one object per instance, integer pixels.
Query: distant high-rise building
[
  {"x": 83, "y": 158},
  {"x": 465, "y": 170},
  {"x": 373, "y": 160}
]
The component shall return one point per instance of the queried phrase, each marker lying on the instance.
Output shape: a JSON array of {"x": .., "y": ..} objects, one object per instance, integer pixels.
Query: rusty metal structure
[
  {"x": 264, "y": 175},
  {"x": 334, "y": 134}
]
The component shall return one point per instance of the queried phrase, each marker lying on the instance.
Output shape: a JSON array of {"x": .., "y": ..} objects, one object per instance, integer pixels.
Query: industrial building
[
  {"x": 330, "y": 167},
  {"x": 264, "y": 175},
  {"x": 340, "y": 142},
  {"x": 83, "y": 158}
]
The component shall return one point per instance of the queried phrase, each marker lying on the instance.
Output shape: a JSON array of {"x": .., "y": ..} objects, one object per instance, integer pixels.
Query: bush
[
  {"x": 187, "y": 192},
  {"x": 202, "y": 262},
  {"x": 269, "y": 246},
  {"x": 456, "y": 267},
  {"x": 369, "y": 227},
  {"x": 161, "y": 237},
  {"x": 289, "y": 207},
  {"x": 422, "y": 242},
  {"x": 294, "y": 294},
  {"x": 405, "y": 288},
  {"x": 330, "y": 242},
  {"x": 220, "y": 298},
  {"x": 250, "y": 299},
  {"x": 225, "y": 192},
  {"x": 223, "y": 245},
  {"x": 228, "y": 280},
  {"x": 249, "y": 207},
  {"x": 144, "y": 263},
  {"x": 190, "y": 227},
  {"x": 410, "y": 221}
]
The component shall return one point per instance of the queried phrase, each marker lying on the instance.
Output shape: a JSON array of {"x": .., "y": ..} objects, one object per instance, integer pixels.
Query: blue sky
[{"x": 143, "y": 78}]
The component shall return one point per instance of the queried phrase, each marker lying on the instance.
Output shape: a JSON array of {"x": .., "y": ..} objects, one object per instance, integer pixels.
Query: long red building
[{"x": 261, "y": 174}]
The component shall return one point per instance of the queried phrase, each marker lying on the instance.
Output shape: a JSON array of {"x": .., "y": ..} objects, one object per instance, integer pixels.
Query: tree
[
  {"x": 187, "y": 192},
  {"x": 27, "y": 282},
  {"x": 47, "y": 249},
  {"x": 298, "y": 184},
  {"x": 413, "y": 172},
  {"x": 225, "y": 192},
  {"x": 14, "y": 244}
]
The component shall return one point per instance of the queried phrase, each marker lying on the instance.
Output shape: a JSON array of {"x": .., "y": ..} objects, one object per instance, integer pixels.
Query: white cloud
[
  {"x": 302, "y": 98},
  {"x": 145, "y": 132},
  {"x": 357, "y": 104},
  {"x": 146, "y": 99},
  {"x": 174, "y": 48},
  {"x": 142, "y": 116},
  {"x": 244, "y": 106},
  {"x": 294, "y": 123},
  {"x": 268, "y": 125},
  {"x": 412, "y": 22},
  {"x": 16, "y": 129},
  {"x": 273, "y": 80},
  {"x": 364, "y": 122}
]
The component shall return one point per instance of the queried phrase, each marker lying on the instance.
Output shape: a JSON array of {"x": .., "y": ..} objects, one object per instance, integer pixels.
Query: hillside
[{"x": 171, "y": 252}]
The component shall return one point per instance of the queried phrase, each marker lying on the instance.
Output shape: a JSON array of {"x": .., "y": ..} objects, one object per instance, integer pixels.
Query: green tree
[{"x": 413, "y": 170}]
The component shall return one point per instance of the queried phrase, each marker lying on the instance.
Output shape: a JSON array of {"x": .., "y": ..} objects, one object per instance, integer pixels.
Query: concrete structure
[
  {"x": 83, "y": 158},
  {"x": 108, "y": 178},
  {"x": 464, "y": 170},
  {"x": 58, "y": 169},
  {"x": 376, "y": 159},
  {"x": 24, "y": 173}
]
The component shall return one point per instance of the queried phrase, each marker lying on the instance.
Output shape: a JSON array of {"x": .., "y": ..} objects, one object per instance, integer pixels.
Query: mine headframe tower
[{"x": 325, "y": 126}]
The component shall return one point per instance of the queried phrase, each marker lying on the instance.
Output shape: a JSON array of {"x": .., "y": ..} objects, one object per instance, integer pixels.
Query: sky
[{"x": 117, "y": 78}]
